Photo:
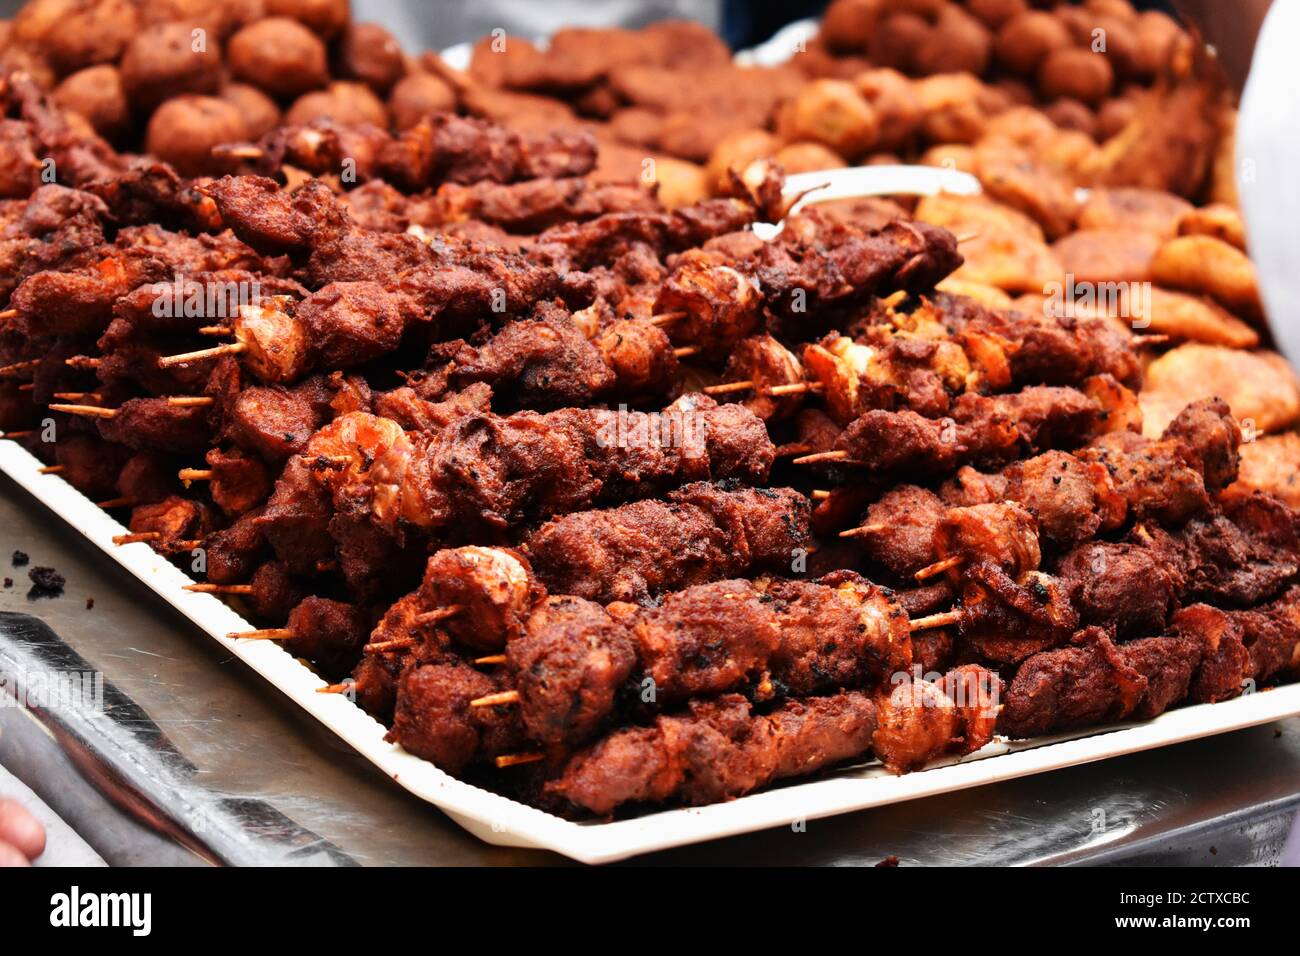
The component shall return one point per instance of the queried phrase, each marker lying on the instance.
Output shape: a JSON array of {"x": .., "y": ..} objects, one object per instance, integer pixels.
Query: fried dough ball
[
  {"x": 847, "y": 25},
  {"x": 325, "y": 17},
  {"x": 162, "y": 61},
  {"x": 807, "y": 158},
  {"x": 994, "y": 13},
  {"x": 1076, "y": 73},
  {"x": 1113, "y": 115},
  {"x": 1157, "y": 35},
  {"x": 957, "y": 156},
  {"x": 1124, "y": 207},
  {"x": 1219, "y": 220},
  {"x": 222, "y": 17},
  {"x": 734, "y": 151},
  {"x": 97, "y": 94},
  {"x": 1272, "y": 464},
  {"x": 954, "y": 105},
  {"x": 1072, "y": 115},
  {"x": 641, "y": 127},
  {"x": 1107, "y": 255},
  {"x": 678, "y": 182},
  {"x": 1024, "y": 41},
  {"x": 1260, "y": 387},
  {"x": 1011, "y": 175},
  {"x": 344, "y": 101},
  {"x": 259, "y": 111},
  {"x": 833, "y": 113},
  {"x": 72, "y": 34},
  {"x": 1190, "y": 318},
  {"x": 20, "y": 59},
  {"x": 957, "y": 43},
  {"x": 369, "y": 53},
  {"x": 896, "y": 104},
  {"x": 895, "y": 39},
  {"x": 416, "y": 95},
  {"x": 184, "y": 130},
  {"x": 1204, "y": 264},
  {"x": 280, "y": 56}
]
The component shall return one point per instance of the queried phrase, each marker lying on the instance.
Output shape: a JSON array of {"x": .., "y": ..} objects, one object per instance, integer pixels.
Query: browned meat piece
[
  {"x": 1071, "y": 687},
  {"x": 765, "y": 362},
  {"x": 543, "y": 361},
  {"x": 1225, "y": 662},
  {"x": 239, "y": 481},
  {"x": 902, "y": 526},
  {"x": 275, "y": 222},
  {"x": 537, "y": 204},
  {"x": 721, "y": 303},
  {"x": 920, "y": 720},
  {"x": 271, "y": 421},
  {"x": 494, "y": 589},
  {"x": 1272, "y": 636},
  {"x": 1125, "y": 587},
  {"x": 296, "y": 519},
  {"x": 641, "y": 549},
  {"x": 716, "y": 751},
  {"x": 275, "y": 593},
  {"x": 81, "y": 303},
  {"x": 1097, "y": 682},
  {"x": 235, "y": 551},
  {"x": 152, "y": 424},
  {"x": 350, "y": 323},
  {"x": 820, "y": 263},
  {"x": 433, "y": 718},
  {"x": 640, "y": 355},
  {"x": 1004, "y": 536},
  {"x": 1209, "y": 439},
  {"x": 146, "y": 477},
  {"x": 176, "y": 521},
  {"x": 90, "y": 464},
  {"x": 328, "y": 633},
  {"x": 1072, "y": 500},
  {"x": 569, "y": 666}
]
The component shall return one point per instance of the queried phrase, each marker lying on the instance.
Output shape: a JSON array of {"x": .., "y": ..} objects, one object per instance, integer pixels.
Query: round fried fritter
[
  {"x": 184, "y": 130},
  {"x": 342, "y": 101},
  {"x": 1076, "y": 73},
  {"x": 369, "y": 53},
  {"x": 259, "y": 111},
  {"x": 97, "y": 94},
  {"x": 280, "y": 56},
  {"x": 416, "y": 95},
  {"x": 167, "y": 59},
  {"x": 1023, "y": 42},
  {"x": 72, "y": 34},
  {"x": 324, "y": 17},
  {"x": 834, "y": 113}
]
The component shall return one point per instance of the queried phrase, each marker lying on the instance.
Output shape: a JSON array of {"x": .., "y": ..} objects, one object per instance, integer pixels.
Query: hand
[{"x": 22, "y": 838}]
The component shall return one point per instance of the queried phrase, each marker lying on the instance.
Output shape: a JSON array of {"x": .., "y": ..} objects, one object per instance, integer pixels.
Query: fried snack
[
  {"x": 847, "y": 25},
  {"x": 986, "y": 295},
  {"x": 184, "y": 130},
  {"x": 807, "y": 158},
  {"x": 833, "y": 113},
  {"x": 955, "y": 107},
  {"x": 735, "y": 151},
  {"x": 891, "y": 95},
  {"x": 1024, "y": 41},
  {"x": 325, "y": 17},
  {"x": 894, "y": 39},
  {"x": 161, "y": 62},
  {"x": 343, "y": 101},
  {"x": 1076, "y": 73},
  {"x": 1007, "y": 250},
  {"x": 1272, "y": 464},
  {"x": 258, "y": 110},
  {"x": 1011, "y": 175},
  {"x": 280, "y": 56},
  {"x": 1219, "y": 220},
  {"x": 1107, "y": 255},
  {"x": 1188, "y": 317},
  {"x": 952, "y": 156},
  {"x": 1260, "y": 387},
  {"x": 74, "y": 34},
  {"x": 1072, "y": 115},
  {"x": 97, "y": 94},
  {"x": 679, "y": 183},
  {"x": 369, "y": 53},
  {"x": 416, "y": 95},
  {"x": 956, "y": 43},
  {"x": 1204, "y": 264},
  {"x": 1147, "y": 210}
]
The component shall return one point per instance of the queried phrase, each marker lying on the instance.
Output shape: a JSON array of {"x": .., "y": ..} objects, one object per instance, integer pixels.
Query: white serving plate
[{"x": 499, "y": 820}]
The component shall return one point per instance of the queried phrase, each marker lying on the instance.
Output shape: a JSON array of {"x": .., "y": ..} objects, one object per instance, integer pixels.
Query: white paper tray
[{"x": 498, "y": 820}]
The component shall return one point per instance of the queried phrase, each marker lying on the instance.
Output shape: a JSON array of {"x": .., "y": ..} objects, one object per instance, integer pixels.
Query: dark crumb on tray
[
  {"x": 46, "y": 582},
  {"x": 9, "y": 582},
  {"x": 90, "y": 604},
  {"x": 20, "y": 558}
]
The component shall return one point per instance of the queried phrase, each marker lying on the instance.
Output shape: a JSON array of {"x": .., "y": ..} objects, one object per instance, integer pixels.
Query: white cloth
[{"x": 1268, "y": 156}]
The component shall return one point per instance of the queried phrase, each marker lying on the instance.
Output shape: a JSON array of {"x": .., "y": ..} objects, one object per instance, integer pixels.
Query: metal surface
[{"x": 1232, "y": 793}]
